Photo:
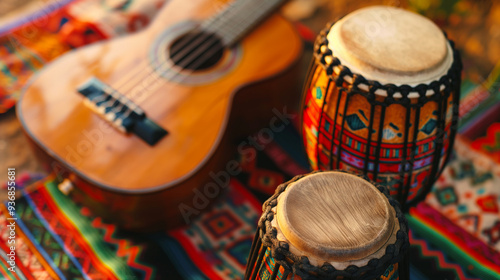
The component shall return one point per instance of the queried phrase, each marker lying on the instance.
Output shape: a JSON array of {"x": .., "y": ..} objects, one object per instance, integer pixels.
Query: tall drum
[
  {"x": 330, "y": 225},
  {"x": 381, "y": 99}
]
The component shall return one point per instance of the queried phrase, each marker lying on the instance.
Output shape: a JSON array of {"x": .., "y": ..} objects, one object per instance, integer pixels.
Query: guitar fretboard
[{"x": 239, "y": 18}]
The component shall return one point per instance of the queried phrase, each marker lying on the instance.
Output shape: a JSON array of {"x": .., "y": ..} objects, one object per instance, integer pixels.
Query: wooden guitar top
[{"x": 195, "y": 114}]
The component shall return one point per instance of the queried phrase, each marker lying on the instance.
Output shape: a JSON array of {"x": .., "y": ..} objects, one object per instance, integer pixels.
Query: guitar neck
[{"x": 241, "y": 16}]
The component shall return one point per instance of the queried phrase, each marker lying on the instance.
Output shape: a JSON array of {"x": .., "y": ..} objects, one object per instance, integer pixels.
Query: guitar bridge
[{"x": 120, "y": 111}]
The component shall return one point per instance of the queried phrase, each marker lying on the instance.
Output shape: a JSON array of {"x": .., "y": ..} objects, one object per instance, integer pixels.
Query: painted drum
[
  {"x": 381, "y": 99},
  {"x": 330, "y": 225}
]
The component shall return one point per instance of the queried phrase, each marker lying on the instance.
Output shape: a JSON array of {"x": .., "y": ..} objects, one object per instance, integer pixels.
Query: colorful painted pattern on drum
[
  {"x": 266, "y": 271},
  {"x": 336, "y": 136},
  {"x": 392, "y": 273}
]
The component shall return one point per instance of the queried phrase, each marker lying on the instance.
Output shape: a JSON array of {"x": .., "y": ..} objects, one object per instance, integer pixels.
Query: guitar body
[{"x": 140, "y": 186}]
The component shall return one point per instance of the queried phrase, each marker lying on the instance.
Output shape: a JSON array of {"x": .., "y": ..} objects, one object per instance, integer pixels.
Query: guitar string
[
  {"x": 236, "y": 34},
  {"x": 208, "y": 47},
  {"x": 123, "y": 82},
  {"x": 207, "y": 25},
  {"x": 208, "y": 44},
  {"x": 195, "y": 55},
  {"x": 186, "y": 42}
]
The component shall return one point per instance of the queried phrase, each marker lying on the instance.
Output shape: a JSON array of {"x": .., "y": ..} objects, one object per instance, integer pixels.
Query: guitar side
[{"x": 140, "y": 186}]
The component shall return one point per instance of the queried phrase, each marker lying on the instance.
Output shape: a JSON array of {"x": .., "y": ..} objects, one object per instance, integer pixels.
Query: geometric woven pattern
[
  {"x": 57, "y": 239},
  {"x": 429, "y": 256},
  {"x": 464, "y": 203},
  {"x": 490, "y": 143},
  {"x": 401, "y": 141},
  {"x": 62, "y": 26}
]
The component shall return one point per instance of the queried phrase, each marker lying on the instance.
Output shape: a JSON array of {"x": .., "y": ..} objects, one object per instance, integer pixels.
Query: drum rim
[
  {"x": 325, "y": 251},
  {"x": 301, "y": 265},
  {"x": 373, "y": 68},
  {"x": 340, "y": 73}
]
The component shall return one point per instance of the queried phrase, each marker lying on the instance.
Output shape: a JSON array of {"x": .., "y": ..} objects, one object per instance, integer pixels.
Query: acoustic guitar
[{"x": 142, "y": 128}]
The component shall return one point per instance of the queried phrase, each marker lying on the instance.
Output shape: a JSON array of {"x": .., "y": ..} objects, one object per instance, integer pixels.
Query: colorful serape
[
  {"x": 490, "y": 143},
  {"x": 31, "y": 42},
  {"x": 57, "y": 239}
]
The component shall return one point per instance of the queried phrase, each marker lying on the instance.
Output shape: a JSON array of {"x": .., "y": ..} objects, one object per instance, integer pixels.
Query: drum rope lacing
[
  {"x": 448, "y": 84},
  {"x": 449, "y": 80},
  {"x": 300, "y": 265}
]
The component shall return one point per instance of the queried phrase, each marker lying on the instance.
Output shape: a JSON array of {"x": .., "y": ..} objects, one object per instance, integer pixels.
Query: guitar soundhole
[{"x": 196, "y": 50}]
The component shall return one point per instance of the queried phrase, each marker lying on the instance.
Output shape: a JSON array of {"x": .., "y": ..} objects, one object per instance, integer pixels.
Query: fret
[{"x": 239, "y": 18}]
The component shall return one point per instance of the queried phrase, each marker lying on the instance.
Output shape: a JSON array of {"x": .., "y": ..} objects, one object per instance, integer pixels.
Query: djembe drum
[
  {"x": 330, "y": 225},
  {"x": 381, "y": 99}
]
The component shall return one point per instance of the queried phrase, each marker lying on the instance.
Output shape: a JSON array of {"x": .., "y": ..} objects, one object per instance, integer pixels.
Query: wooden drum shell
[
  {"x": 271, "y": 258},
  {"x": 270, "y": 269},
  {"x": 342, "y": 121}
]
